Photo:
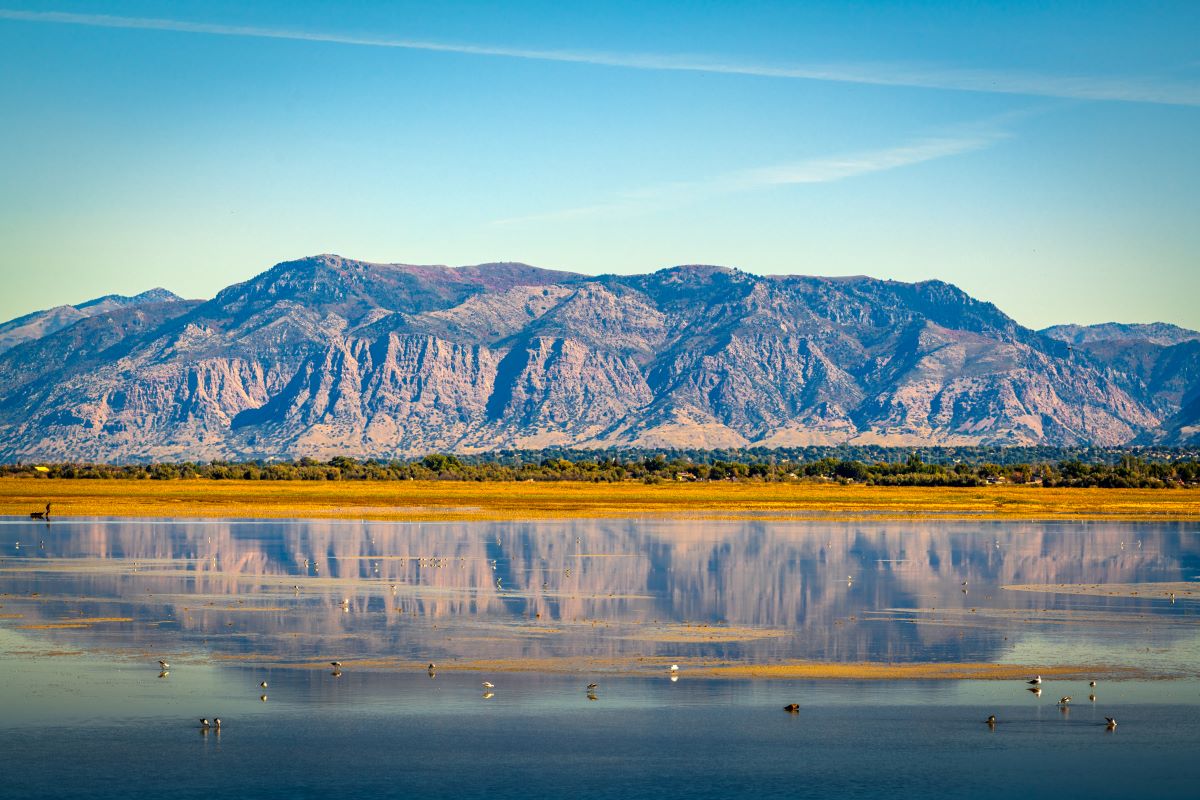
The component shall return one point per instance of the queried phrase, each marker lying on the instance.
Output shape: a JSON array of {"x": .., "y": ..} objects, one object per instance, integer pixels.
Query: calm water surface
[{"x": 88, "y": 606}]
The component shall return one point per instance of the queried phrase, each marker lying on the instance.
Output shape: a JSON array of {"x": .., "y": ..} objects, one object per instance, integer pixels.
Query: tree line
[{"x": 905, "y": 468}]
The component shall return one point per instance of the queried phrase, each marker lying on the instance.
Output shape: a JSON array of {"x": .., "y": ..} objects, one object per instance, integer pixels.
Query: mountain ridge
[
  {"x": 326, "y": 355},
  {"x": 37, "y": 324}
]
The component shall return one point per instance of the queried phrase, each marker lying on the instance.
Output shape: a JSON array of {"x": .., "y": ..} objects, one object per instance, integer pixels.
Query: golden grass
[{"x": 443, "y": 500}]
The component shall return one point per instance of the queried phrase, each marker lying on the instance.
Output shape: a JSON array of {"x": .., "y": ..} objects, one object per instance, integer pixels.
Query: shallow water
[
  {"x": 611, "y": 589},
  {"x": 229, "y": 604}
]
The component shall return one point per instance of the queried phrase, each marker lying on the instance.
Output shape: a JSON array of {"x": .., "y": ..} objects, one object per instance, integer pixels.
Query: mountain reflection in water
[{"x": 749, "y": 591}]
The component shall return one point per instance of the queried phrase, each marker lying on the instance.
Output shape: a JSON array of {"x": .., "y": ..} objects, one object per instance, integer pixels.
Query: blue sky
[{"x": 1042, "y": 156}]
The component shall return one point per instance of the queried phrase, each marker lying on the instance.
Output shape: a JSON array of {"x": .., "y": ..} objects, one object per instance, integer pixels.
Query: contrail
[
  {"x": 825, "y": 169},
  {"x": 1132, "y": 90}
]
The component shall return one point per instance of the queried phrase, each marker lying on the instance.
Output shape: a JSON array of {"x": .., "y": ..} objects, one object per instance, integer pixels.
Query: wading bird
[
  {"x": 991, "y": 720},
  {"x": 1112, "y": 723},
  {"x": 1036, "y": 680},
  {"x": 489, "y": 685}
]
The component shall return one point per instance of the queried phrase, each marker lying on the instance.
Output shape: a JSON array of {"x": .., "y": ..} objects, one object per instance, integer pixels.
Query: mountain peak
[{"x": 51, "y": 320}]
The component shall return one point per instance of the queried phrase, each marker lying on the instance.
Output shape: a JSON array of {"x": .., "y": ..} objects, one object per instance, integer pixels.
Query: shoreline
[
  {"x": 657, "y": 667},
  {"x": 724, "y": 670},
  {"x": 419, "y": 501}
]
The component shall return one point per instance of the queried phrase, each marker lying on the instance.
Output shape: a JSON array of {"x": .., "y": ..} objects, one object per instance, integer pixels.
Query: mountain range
[{"x": 326, "y": 355}]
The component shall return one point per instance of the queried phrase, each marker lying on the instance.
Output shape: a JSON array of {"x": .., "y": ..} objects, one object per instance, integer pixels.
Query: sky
[{"x": 1043, "y": 156}]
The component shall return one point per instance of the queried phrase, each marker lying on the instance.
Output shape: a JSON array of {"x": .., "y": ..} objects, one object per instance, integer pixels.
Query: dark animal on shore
[{"x": 41, "y": 514}]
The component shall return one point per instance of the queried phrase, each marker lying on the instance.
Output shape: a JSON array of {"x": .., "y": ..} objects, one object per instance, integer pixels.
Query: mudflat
[{"x": 452, "y": 500}]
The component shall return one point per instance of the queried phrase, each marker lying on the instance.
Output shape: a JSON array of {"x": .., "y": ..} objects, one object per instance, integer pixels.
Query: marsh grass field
[{"x": 454, "y": 500}]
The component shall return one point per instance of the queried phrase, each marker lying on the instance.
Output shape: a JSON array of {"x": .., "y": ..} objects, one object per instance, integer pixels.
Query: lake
[{"x": 541, "y": 609}]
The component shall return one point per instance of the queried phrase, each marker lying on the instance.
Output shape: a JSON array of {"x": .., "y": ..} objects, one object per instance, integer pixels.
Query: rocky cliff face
[{"x": 327, "y": 355}]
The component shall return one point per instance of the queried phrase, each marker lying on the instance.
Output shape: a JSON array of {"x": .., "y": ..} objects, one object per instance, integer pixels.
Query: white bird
[
  {"x": 217, "y": 723},
  {"x": 164, "y": 666},
  {"x": 1062, "y": 701},
  {"x": 263, "y": 684},
  {"x": 1036, "y": 680},
  {"x": 204, "y": 722},
  {"x": 593, "y": 686},
  {"x": 1112, "y": 723},
  {"x": 1091, "y": 683},
  {"x": 489, "y": 685},
  {"x": 674, "y": 668}
]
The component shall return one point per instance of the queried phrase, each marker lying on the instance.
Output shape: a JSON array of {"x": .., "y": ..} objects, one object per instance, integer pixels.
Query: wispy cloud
[
  {"x": 816, "y": 170},
  {"x": 1134, "y": 90}
]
